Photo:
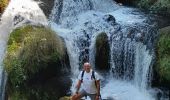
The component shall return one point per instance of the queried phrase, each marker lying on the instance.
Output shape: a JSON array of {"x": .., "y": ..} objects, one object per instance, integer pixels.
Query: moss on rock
[
  {"x": 102, "y": 52},
  {"x": 154, "y": 6},
  {"x": 35, "y": 62},
  {"x": 163, "y": 57}
]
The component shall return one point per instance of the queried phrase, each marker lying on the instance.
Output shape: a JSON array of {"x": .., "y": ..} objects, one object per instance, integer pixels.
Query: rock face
[
  {"x": 102, "y": 52},
  {"x": 46, "y": 6},
  {"x": 162, "y": 66},
  {"x": 37, "y": 63}
]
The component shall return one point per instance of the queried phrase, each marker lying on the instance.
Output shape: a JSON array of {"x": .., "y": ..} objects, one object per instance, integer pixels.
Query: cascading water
[
  {"x": 16, "y": 14},
  {"x": 131, "y": 38}
]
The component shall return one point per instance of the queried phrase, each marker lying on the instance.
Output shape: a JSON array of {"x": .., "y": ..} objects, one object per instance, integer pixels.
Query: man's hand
[
  {"x": 97, "y": 97},
  {"x": 76, "y": 92}
]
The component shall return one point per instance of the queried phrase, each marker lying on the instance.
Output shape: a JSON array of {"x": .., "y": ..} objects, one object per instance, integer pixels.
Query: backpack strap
[
  {"x": 93, "y": 77},
  {"x": 82, "y": 74}
]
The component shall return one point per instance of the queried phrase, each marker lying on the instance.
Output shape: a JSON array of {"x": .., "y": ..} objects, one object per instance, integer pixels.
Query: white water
[
  {"x": 124, "y": 90},
  {"x": 141, "y": 73},
  {"x": 123, "y": 16},
  {"x": 18, "y": 13},
  {"x": 78, "y": 20}
]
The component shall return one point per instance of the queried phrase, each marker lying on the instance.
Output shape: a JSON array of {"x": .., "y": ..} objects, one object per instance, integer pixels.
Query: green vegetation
[
  {"x": 145, "y": 3},
  {"x": 154, "y": 6},
  {"x": 3, "y": 4},
  {"x": 161, "y": 6},
  {"x": 30, "y": 52},
  {"x": 163, "y": 53}
]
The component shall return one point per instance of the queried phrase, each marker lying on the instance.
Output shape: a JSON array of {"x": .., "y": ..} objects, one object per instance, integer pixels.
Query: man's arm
[
  {"x": 78, "y": 86},
  {"x": 98, "y": 87}
]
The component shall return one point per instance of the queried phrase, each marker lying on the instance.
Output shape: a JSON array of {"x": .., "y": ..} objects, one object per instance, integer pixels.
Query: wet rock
[
  {"x": 102, "y": 52},
  {"x": 109, "y": 18},
  {"x": 46, "y": 6},
  {"x": 17, "y": 19}
]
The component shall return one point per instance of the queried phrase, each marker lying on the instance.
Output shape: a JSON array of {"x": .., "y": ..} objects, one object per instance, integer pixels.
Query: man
[{"x": 90, "y": 82}]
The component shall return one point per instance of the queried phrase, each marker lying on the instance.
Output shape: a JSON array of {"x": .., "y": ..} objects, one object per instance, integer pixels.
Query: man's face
[{"x": 87, "y": 67}]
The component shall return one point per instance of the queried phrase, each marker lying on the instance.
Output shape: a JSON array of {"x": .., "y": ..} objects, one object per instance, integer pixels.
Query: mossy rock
[
  {"x": 102, "y": 52},
  {"x": 37, "y": 64},
  {"x": 161, "y": 7},
  {"x": 156, "y": 6},
  {"x": 163, "y": 57}
]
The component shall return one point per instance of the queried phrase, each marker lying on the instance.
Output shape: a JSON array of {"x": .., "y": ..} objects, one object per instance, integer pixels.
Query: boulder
[
  {"x": 102, "y": 52},
  {"x": 37, "y": 64}
]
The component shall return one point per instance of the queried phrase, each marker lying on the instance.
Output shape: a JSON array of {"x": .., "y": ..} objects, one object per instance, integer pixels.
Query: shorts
[{"x": 83, "y": 93}]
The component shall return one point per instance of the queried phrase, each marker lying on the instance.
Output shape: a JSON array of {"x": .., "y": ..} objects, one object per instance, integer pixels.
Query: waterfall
[
  {"x": 79, "y": 22},
  {"x": 17, "y": 13},
  {"x": 131, "y": 37}
]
